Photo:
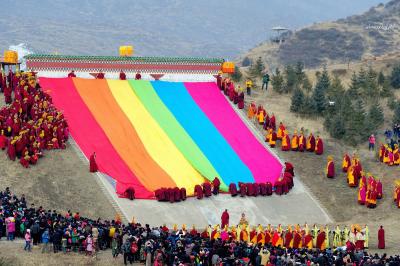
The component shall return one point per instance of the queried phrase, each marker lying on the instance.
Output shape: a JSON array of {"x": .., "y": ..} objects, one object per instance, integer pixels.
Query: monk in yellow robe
[
  {"x": 285, "y": 142},
  {"x": 281, "y": 131},
  {"x": 295, "y": 142}
]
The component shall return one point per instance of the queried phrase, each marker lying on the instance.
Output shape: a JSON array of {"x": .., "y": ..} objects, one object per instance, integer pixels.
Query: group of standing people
[
  {"x": 29, "y": 123},
  {"x": 235, "y": 95}
]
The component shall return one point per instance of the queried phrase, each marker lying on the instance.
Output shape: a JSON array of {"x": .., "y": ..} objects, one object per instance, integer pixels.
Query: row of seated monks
[{"x": 207, "y": 189}]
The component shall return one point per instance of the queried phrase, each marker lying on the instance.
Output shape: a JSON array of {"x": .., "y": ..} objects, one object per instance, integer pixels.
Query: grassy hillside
[{"x": 355, "y": 38}]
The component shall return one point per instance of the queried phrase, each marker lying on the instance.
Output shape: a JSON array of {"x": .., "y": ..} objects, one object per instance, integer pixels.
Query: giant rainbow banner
[{"x": 148, "y": 135}]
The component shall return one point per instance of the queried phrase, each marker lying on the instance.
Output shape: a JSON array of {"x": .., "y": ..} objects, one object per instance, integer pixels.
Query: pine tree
[
  {"x": 386, "y": 89},
  {"x": 337, "y": 129},
  {"x": 356, "y": 124},
  {"x": 375, "y": 117},
  {"x": 291, "y": 79},
  {"x": 396, "y": 115},
  {"x": 395, "y": 77},
  {"x": 306, "y": 85},
  {"x": 237, "y": 75},
  {"x": 256, "y": 70},
  {"x": 319, "y": 100},
  {"x": 277, "y": 81},
  {"x": 362, "y": 79},
  {"x": 336, "y": 89},
  {"x": 308, "y": 108},
  {"x": 300, "y": 75},
  {"x": 297, "y": 101},
  {"x": 381, "y": 78},
  {"x": 324, "y": 81},
  {"x": 354, "y": 89},
  {"x": 370, "y": 91}
]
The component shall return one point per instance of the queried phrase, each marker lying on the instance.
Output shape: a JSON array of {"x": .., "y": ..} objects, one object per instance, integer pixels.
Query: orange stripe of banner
[{"x": 100, "y": 101}]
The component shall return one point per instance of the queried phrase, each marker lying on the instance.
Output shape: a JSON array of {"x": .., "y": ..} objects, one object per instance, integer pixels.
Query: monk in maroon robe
[
  {"x": 241, "y": 100},
  {"x": 288, "y": 239},
  {"x": 381, "y": 238},
  {"x": 321, "y": 240},
  {"x": 243, "y": 189},
  {"x": 3, "y": 141},
  {"x": 319, "y": 146},
  {"x": 122, "y": 75},
  {"x": 269, "y": 188},
  {"x": 177, "y": 194},
  {"x": 233, "y": 189},
  {"x": 219, "y": 81},
  {"x": 72, "y": 74},
  {"x": 183, "y": 193},
  {"x": 272, "y": 122},
  {"x": 225, "y": 219},
  {"x": 256, "y": 187},
  {"x": 138, "y": 76},
  {"x": 310, "y": 144},
  {"x": 263, "y": 189},
  {"x": 296, "y": 240},
  {"x": 100, "y": 75},
  {"x": 330, "y": 168},
  {"x": 289, "y": 168},
  {"x": 92, "y": 163},
  {"x": 198, "y": 191},
  {"x": 207, "y": 189},
  {"x": 216, "y": 184},
  {"x": 250, "y": 189},
  {"x": 11, "y": 151},
  {"x": 278, "y": 187},
  {"x": 171, "y": 194}
]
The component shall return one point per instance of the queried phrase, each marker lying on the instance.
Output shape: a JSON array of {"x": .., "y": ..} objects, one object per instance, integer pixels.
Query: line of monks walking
[
  {"x": 29, "y": 123},
  {"x": 322, "y": 238},
  {"x": 388, "y": 155},
  {"x": 298, "y": 142},
  {"x": 235, "y": 95}
]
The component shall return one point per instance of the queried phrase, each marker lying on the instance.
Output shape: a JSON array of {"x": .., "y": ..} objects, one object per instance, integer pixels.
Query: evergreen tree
[
  {"x": 356, "y": 124},
  {"x": 300, "y": 75},
  {"x": 291, "y": 78},
  {"x": 336, "y": 89},
  {"x": 362, "y": 79},
  {"x": 256, "y": 70},
  {"x": 354, "y": 89},
  {"x": 237, "y": 75},
  {"x": 308, "y": 108},
  {"x": 386, "y": 89},
  {"x": 370, "y": 91},
  {"x": 324, "y": 81},
  {"x": 297, "y": 101},
  {"x": 395, "y": 77},
  {"x": 381, "y": 78},
  {"x": 396, "y": 115},
  {"x": 375, "y": 117},
  {"x": 338, "y": 127},
  {"x": 319, "y": 100},
  {"x": 277, "y": 81},
  {"x": 306, "y": 85}
]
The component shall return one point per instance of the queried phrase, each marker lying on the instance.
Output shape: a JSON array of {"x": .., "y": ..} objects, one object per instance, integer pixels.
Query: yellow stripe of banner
[{"x": 156, "y": 141}]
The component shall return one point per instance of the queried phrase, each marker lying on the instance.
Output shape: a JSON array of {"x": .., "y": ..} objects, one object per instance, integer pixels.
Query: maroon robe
[
  {"x": 11, "y": 151},
  {"x": 233, "y": 189},
  {"x": 250, "y": 189},
  {"x": 289, "y": 168},
  {"x": 331, "y": 170},
  {"x": 198, "y": 191},
  {"x": 3, "y": 142},
  {"x": 263, "y": 189},
  {"x": 92, "y": 164},
  {"x": 100, "y": 75},
  {"x": 241, "y": 100},
  {"x": 216, "y": 184},
  {"x": 207, "y": 189},
  {"x": 319, "y": 149},
  {"x": 320, "y": 239},
  {"x": 288, "y": 239},
  {"x": 296, "y": 240},
  {"x": 71, "y": 75},
  {"x": 381, "y": 238},
  {"x": 138, "y": 76},
  {"x": 122, "y": 76},
  {"x": 183, "y": 193},
  {"x": 243, "y": 189},
  {"x": 224, "y": 219},
  {"x": 269, "y": 188},
  {"x": 272, "y": 122},
  {"x": 312, "y": 144}
]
